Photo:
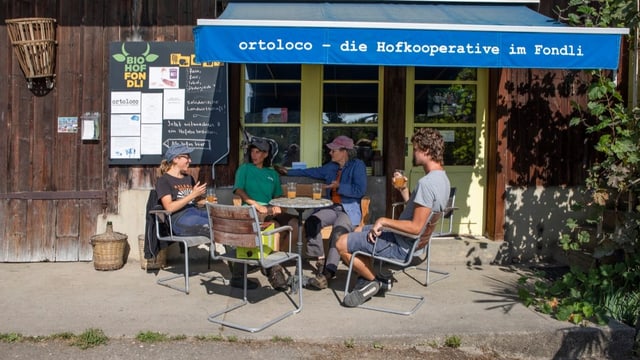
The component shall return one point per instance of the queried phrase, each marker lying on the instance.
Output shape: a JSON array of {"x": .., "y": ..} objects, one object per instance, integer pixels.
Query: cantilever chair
[
  {"x": 164, "y": 232},
  {"x": 420, "y": 245},
  {"x": 447, "y": 214},
  {"x": 234, "y": 226}
]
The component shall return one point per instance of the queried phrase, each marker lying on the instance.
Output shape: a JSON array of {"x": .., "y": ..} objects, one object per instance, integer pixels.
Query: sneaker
[
  {"x": 357, "y": 297},
  {"x": 277, "y": 278},
  {"x": 237, "y": 282},
  {"x": 319, "y": 282}
]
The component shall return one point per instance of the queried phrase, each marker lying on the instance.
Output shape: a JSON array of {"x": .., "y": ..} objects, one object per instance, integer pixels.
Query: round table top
[{"x": 300, "y": 203}]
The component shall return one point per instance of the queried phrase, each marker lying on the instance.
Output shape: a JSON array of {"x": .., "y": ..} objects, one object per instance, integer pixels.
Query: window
[
  {"x": 272, "y": 96},
  {"x": 446, "y": 99},
  {"x": 350, "y": 106}
]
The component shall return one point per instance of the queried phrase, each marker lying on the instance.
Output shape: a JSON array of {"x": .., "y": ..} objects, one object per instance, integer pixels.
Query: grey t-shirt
[{"x": 432, "y": 192}]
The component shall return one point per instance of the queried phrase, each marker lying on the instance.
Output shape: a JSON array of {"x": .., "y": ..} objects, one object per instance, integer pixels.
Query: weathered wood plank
[
  {"x": 39, "y": 230},
  {"x": 16, "y": 244},
  {"x": 67, "y": 215}
]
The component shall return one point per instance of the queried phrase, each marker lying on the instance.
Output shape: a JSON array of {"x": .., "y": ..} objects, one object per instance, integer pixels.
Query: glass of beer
[
  {"x": 316, "y": 191},
  {"x": 399, "y": 180},
  {"x": 291, "y": 190},
  {"x": 211, "y": 195}
]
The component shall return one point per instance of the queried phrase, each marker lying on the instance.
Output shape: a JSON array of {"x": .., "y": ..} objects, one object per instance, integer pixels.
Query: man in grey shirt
[{"x": 430, "y": 195}]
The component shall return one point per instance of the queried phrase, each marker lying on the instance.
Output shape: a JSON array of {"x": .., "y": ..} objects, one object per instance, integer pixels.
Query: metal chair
[
  {"x": 239, "y": 226},
  {"x": 164, "y": 232},
  {"x": 447, "y": 214},
  {"x": 421, "y": 244}
]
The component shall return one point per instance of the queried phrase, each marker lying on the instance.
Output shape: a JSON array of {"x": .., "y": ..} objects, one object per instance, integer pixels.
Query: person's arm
[
  {"x": 412, "y": 226},
  {"x": 176, "y": 205}
]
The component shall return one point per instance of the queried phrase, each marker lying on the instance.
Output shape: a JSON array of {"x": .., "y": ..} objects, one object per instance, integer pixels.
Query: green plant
[
  {"x": 350, "y": 343},
  {"x": 11, "y": 337},
  {"x": 151, "y": 337},
  {"x": 607, "y": 287},
  {"x": 285, "y": 339},
  {"x": 90, "y": 338},
  {"x": 453, "y": 342},
  {"x": 378, "y": 346}
]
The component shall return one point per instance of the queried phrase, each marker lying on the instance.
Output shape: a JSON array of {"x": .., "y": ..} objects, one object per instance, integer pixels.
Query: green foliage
[
  {"x": 10, "y": 337},
  {"x": 90, "y": 338},
  {"x": 608, "y": 287},
  {"x": 151, "y": 337},
  {"x": 453, "y": 341}
]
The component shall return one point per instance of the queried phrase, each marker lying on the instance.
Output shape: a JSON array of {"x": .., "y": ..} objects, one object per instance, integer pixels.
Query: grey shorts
[{"x": 388, "y": 246}]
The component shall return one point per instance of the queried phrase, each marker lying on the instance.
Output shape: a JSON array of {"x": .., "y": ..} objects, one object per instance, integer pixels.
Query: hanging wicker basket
[
  {"x": 34, "y": 44},
  {"x": 109, "y": 249}
]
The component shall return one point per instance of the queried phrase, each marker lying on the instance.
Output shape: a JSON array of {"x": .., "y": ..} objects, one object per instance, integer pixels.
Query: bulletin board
[{"x": 160, "y": 96}]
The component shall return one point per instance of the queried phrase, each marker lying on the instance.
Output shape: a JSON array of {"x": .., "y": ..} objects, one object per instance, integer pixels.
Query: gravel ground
[{"x": 200, "y": 349}]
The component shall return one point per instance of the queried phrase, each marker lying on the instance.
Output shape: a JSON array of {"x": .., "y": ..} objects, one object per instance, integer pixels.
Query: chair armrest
[
  {"x": 277, "y": 230},
  {"x": 400, "y": 232}
]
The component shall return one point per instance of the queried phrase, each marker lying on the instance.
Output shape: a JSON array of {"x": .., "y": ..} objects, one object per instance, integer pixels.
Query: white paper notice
[
  {"x": 127, "y": 147},
  {"x": 125, "y": 102},
  {"x": 151, "y": 139},
  {"x": 151, "y": 112},
  {"x": 88, "y": 130},
  {"x": 125, "y": 125},
  {"x": 174, "y": 104}
]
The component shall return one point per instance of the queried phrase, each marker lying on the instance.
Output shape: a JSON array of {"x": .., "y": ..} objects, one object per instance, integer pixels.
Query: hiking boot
[
  {"x": 277, "y": 278},
  {"x": 319, "y": 282},
  {"x": 357, "y": 297}
]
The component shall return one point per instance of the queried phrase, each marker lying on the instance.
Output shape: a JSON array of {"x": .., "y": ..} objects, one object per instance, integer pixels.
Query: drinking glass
[
  {"x": 316, "y": 191},
  {"x": 211, "y": 195},
  {"x": 399, "y": 180},
  {"x": 291, "y": 190}
]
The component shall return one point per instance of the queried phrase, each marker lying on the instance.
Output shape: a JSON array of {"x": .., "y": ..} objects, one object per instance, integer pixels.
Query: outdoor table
[{"x": 300, "y": 204}]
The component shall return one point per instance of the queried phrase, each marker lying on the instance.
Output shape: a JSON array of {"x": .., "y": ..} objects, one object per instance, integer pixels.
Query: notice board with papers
[{"x": 159, "y": 96}]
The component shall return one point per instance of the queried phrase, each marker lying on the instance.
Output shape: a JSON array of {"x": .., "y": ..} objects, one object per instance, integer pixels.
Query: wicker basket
[
  {"x": 159, "y": 262},
  {"x": 34, "y": 44},
  {"x": 109, "y": 249}
]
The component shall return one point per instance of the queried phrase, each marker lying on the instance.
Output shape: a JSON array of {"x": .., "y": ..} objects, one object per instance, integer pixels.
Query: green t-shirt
[{"x": 261, "y": 184}]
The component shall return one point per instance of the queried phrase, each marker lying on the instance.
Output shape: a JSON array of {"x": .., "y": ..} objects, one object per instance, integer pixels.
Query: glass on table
[
  {"x": 211, "y": 195},
  {"x": 291, "y": 190},
  {"x": 316, "y": 191}
]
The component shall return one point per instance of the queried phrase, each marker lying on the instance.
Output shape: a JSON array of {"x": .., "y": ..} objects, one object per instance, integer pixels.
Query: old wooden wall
[{"x": 54, "y": 185}]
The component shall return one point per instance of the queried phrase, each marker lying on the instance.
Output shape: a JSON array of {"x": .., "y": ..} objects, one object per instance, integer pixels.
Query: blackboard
[{"x": 160, "y": 96}]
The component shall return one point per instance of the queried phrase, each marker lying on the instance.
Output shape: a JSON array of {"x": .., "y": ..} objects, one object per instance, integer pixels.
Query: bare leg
[{"x": 362, "y": 267}]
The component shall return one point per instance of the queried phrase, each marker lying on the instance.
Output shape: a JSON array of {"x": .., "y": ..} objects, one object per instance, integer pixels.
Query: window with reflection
[
  {"x": 446, "y": 99},
  {"x": 350, "y": 106},
  {"x": 272, "y": 102}
]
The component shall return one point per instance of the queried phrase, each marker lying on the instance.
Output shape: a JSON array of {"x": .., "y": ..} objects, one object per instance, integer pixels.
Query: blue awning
[{"x": 403, "y": 34}]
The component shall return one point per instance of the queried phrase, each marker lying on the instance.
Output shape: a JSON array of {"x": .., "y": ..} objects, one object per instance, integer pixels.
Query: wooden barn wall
[{"x": 53, "y": 185}]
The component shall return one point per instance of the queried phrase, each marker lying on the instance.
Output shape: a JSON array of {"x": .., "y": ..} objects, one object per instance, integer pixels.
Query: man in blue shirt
[{"x": 345, "y": 180}]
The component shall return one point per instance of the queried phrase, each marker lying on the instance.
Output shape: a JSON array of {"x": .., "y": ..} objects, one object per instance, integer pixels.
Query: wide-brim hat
[
  {"x": 175, "y": 150},
  {"x": 341, "y": 142}
]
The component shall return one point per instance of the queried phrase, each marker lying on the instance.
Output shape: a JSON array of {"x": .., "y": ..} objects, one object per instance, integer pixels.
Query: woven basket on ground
[
  {"x": 109, "y": 249},
  {"x": 159, "y": 262}
]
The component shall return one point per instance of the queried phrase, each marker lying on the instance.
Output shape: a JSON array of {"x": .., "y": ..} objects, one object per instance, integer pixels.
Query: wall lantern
[{"x": 34, "y": 44}]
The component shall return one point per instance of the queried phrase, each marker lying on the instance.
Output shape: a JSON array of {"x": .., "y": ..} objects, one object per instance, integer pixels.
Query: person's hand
[
  {"x": 262, "y": 209},
  {"x": 276, "y": 210},
  {"x": 199, "y": 190},
  {"x": 280, "y": 169},
  {"x": 374, "y": 232}
]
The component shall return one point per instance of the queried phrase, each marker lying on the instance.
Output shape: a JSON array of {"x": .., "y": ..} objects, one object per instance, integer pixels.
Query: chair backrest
[
  {"x": 451, "y": 204},
  {"x": 234, "y": 225},
  {"x": 364, "y": 208},
  {"x": 427, "y": 230}
]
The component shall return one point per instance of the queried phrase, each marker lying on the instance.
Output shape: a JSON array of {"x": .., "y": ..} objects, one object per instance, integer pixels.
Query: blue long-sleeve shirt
[{"x": 353, "y": 181}]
